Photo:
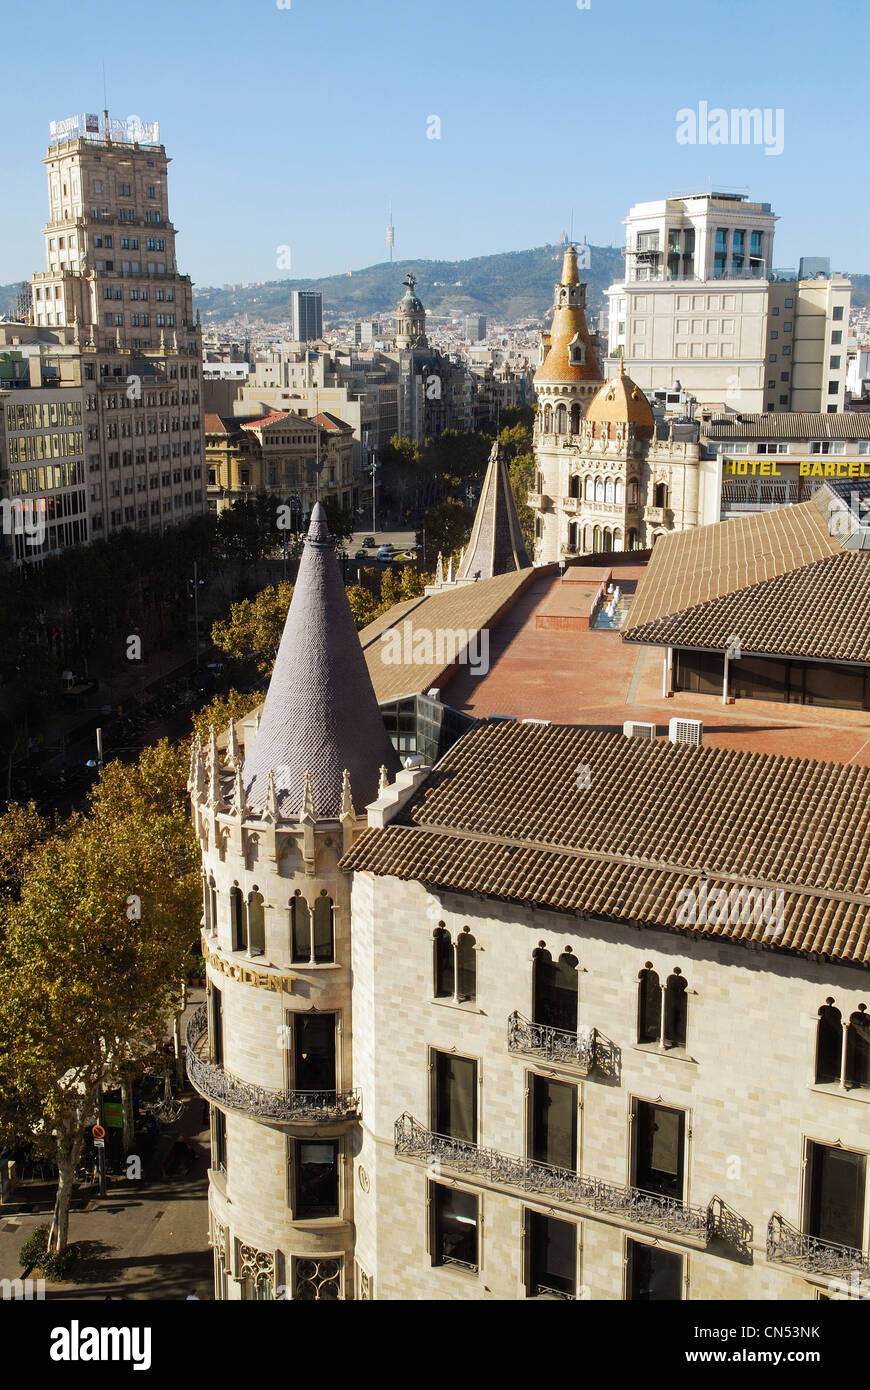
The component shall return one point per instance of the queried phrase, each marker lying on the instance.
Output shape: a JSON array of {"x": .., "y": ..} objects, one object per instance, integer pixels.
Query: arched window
[
  {"x": 442, "y": 959},
  {"x": 590, "y": 489},
  {"x": 619, "y": 491},
  {"x": 661, "y": 495},
  {"x": 212, "y": 902},
  {"x": 555, "y": 989},
  {"x": 574, "y": 486},
  {"x": 300, "y": 930},
  {"x": 207, "y": 917},
  {"x": 466, "y": 967},
  {"x": 548, "y": 420},
  {"x": 829, "y": 1045},
  {"x": 324, "y": 928},
  {"x": 617, "y": 539},
  {"x": 575, "y": 419},
  {"x": 574, "y": 536},
  {"x": 587, "y": 539},
  {"x": 608, "y": 540},
  {"x": 596, "y": 541},
  {"x": 649, "y": 1005},
  {"x": 632, "y": 539},
  {"x": 676, "y": 1011},
  {"x": 632, "y": 492},
  {"x": 608, "y": 490},
  {"x": 599, "y": 489},
  {"x": 256, "y": 924},
  {"x": 561, "y": 418},
  {"x": 858, "y": 1050},
  {"x": 454, "y": 966},
  {"x": 239, "y": 919}
]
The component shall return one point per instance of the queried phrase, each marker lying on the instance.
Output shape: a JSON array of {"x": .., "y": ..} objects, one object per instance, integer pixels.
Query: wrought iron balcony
[
  {"x": 552, "y": 1044},
  {"x": 629, "y": 1204},
  {"x": 789, "y": 1246},
  {"x": 220, "y": 1086}
]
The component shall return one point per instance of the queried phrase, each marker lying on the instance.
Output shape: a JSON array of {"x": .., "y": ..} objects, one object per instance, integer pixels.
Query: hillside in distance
[{"x": 512, "y": 286}]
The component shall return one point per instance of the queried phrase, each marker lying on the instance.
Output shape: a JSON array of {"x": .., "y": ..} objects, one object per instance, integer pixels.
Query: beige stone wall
[{"x": 745, "y": 1081}]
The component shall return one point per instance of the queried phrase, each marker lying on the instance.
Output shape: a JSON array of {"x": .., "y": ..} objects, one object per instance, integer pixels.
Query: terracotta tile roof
[
  {"x": 820, "y": 611},
  {"x": 788, "y": 424},
  {"x": 688, "y": 568},
  {"x": 502, "y": 816},
  {"x": 269, "y": 419},
  {"x": 468, "y": 606},
  {"x": 221, "y": 424},
  {"x": 330, "y": 422}
]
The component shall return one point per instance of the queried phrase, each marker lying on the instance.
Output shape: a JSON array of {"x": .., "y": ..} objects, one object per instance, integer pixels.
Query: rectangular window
[
  {"x": 652, "y": 1274},
  {"x": 316, "y": 1179},
  {"x": 219, "y": 1150},
  {"x": 552, "y": 1256},
  {"x": 454, "y": 1096},
  {"x": 836, "y": 1182},
  {"x": 314, "y": 1052},
  {"x": 834, "y": 364},
  {"x": 836, "y": 337},
  {"x": 833, "y": 388},
  {"x": 659, "y": 1143},
  {"x": 216, "y": 1025},
  {"x": 553, "y": 1122},
  {"x": 838, "y": 313},
  {"x": 455, "y": 1221}
]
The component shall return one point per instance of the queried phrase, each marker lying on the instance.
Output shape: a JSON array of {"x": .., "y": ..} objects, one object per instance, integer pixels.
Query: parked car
[
  {"x": 361, "y": 555},
  {"x": 368, "y": 540}
]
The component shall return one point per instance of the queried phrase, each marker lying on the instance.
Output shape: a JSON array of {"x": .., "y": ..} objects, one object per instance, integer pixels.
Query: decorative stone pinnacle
[
  {"x": 383, "y": 780},
  {"x": 240, "y": 804},
  {"x": 451, "y": 572},
  {"x": 308, "y": 800},
  {"x": 195, "y": 776},
  {"x": 270, "y": 809},
  {"x": 234, "y": 755},
  {"x": 346, "y": 796},
  {"x": 439, "y": 570}
]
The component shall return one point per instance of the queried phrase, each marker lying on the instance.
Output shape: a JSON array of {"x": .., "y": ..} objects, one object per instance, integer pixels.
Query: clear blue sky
[{"x": 296, "y": 126}]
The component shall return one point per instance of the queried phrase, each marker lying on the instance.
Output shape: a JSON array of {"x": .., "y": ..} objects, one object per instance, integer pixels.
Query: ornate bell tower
[
  {"x": 410, "y": 319},
  {"x": 566, "y": 381}
]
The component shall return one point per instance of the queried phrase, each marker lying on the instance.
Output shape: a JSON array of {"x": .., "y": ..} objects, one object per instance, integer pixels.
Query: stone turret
[{"x": 276, "y": 803}]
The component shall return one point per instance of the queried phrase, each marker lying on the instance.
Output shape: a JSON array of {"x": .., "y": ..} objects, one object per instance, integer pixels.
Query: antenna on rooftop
[{"x": 391, "y": 233}]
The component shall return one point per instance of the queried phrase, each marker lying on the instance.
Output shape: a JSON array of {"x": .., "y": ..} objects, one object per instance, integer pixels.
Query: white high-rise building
[{"x": 698, "y": 302}]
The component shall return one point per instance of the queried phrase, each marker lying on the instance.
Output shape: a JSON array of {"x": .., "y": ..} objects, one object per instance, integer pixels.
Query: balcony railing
[
  {"x": 630, "y": 1204},
  {"x": 220, "y": 1086},
  {"x": 789, "y": 1246},
  {"x": 655, "y": 514},
  {"x": 552, "y": 1044}
]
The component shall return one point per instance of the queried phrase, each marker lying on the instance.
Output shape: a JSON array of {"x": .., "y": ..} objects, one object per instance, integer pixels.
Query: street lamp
[{"x": 194, "y": 585}]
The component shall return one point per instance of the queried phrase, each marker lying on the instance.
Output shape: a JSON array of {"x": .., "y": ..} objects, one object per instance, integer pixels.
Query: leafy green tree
[
  {"x": 253, "y": 629},
  {"x": 91, "y": 959},
  {"x": 223, "y": 708},
  {"x": 522, "y": 475},
  {"x": 447, "y": 528}
]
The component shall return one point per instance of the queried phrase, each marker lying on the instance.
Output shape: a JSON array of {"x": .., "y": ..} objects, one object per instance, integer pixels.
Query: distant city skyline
[{"x": 488, "y": 127}]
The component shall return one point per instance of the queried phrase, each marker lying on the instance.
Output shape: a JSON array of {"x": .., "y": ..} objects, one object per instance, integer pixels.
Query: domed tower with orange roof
[
  {"x": 565, "y": 382},
  {"x": 625, "y": 486}
]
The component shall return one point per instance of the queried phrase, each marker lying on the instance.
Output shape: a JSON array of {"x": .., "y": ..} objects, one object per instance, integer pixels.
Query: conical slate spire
[
  {"x": 320, "y": 715},
  {"x": 496, "y": 545}
]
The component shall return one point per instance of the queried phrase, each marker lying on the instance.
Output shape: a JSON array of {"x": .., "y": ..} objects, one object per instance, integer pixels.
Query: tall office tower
[
  {"x": 306, "y": 315},
  {"x": 700, "y": 300},
  {"x": 112, "y": 303},
  {"x": 475, "y": 327}
]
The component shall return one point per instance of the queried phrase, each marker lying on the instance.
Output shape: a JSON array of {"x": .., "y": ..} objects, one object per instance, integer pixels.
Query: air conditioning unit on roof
[
  {"x": 685, "y": 731},
  {"x": 633, "y": 729}
]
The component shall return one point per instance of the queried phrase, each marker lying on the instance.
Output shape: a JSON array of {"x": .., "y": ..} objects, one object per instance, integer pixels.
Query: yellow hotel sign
[{"x": 807, "y": 468}]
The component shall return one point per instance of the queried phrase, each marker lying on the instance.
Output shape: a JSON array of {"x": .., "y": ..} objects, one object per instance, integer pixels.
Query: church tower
[
  {"x": 565, "y": 382},
  {"x": 410, "y": 320},
  {"x": 271, "y": 1048}
]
